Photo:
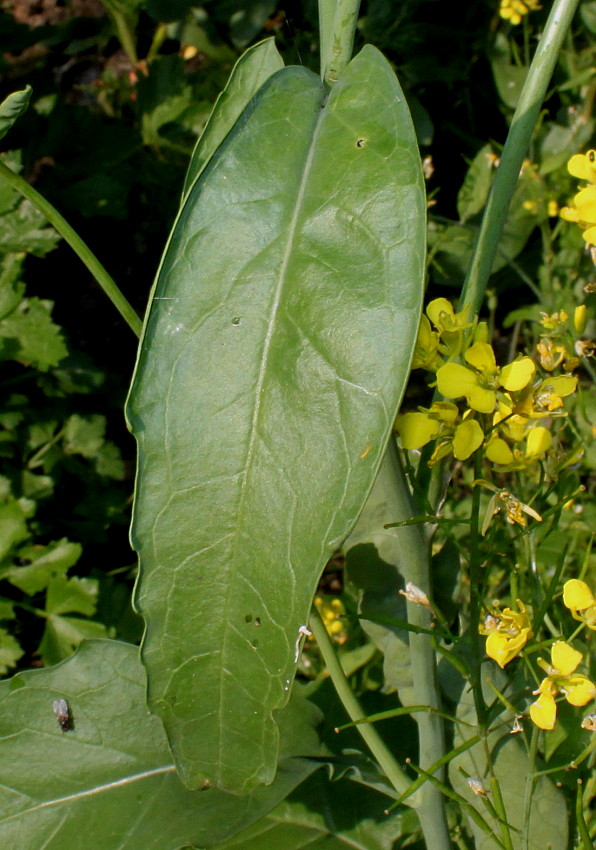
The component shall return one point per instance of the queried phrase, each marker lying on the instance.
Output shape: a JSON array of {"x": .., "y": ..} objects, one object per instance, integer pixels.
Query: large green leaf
[
  {"x": 337, "y": 815},
  {"x": 109, "y": 781},
  {"x": 250, "y": 72},
  {"x": 534, "y": 807},
  {"x": 272, "y": 363}
]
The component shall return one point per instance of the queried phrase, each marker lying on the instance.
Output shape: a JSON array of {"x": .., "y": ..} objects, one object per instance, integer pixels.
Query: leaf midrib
[{"x": 292, "y": 230}]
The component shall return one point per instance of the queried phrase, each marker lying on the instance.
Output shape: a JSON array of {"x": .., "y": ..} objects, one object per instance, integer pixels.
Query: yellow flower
[
  {"x": 514, "y": 10},
  {"x": 583, "y": 166},
  {"x": 445, "y": 319},
  {"x": 332, "y": 613},
  {"x": 583, "y": 209},
  {"x": 479, "y": 384},
  {"x": 508, "y": 632},
  {"x": 418, "y": 428},
  {"x": 578, "y": 597},
  {"x": 538, "y": 442},
  {"x": 426, "y": 350},
  {"x": 561, "y": 678}
]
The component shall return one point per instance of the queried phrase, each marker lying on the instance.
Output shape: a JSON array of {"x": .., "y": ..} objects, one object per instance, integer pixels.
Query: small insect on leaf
[{"x": 62, "y": 712}]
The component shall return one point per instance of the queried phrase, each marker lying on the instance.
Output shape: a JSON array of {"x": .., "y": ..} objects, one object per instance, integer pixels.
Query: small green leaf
[
  {"x": 25, "y": 229},
  {"x": 474, "y": 191},
  {"x": 68, "y": 595},
  {"x": 29, "y": 336},
  {"x": 509, "y": 78},
  {"x": 11, "y": 286},
  {"x": 42, "y": 563},
  {"x": 63, "y": 635},
  {"x": 12, "y": 107},
  {"x": 250, "y": 72},
  {"x": 111, "y": 775},
  {"x": 108, "y": 462},
  {"x": 84, "y": 435},
  {"x": 10, "y": 651},
  {"x": 13, "y": 525}
]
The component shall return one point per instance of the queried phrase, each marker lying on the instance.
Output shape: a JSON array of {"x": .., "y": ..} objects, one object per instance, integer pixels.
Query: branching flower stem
[{"x": 76, "y": 243}]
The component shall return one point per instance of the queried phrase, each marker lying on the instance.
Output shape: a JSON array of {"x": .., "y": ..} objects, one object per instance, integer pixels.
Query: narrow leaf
[
  {"x": 271, "y": 367},
  {"x": 12, "y": 107},
  {"x": 250, "y": 72}
]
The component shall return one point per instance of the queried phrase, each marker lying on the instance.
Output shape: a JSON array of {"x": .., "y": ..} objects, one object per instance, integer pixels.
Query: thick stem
[
  {"x": 326, "y": 17},
  {"x": 77, "y": 245},
  {"x": 415, "y": 568},
  {"x": 516, "y": 146},
  {"x": 375, "y": 743},
  {"x": 339, "y": 52}
]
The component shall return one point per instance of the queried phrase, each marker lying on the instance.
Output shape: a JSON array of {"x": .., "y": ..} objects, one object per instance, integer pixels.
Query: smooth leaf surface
[
  {"x": 373, "y": 559},
  {"x": 250, "y": 72},
  {"x": 109, "y": 780},
  {"x": 335, "y": 815},
  {"x": 545, "y": 819},
  {"x": 271, "y": 367}
]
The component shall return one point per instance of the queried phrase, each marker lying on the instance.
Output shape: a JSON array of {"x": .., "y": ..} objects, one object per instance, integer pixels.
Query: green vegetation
[{"x": 347, "y": 389}]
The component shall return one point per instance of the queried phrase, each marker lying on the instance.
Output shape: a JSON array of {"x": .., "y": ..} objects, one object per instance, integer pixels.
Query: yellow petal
[
  {"x": 569, "y": 214},
  {"x": 482, "y": 357},
  {"x": 585, "y": 203},
  {"x": 416, "y": 429},
  {"x": 440, "y": 311},
  {"x": 539, "y": 441},
  {"x": 590, "y": 235},
  {"x": 577, "y": 595},
  {"x": 517, "y": 375},
  {"x": 502, "y": 648},
  {"x": 582, "y": 166},
  {"x": 578, "y": 690},
  {"x": 498, "y": 451},
  {"x": 445, "y": 411},
  {"x": 543, "y": 712},
  {"x": 562, "y": 385},
  {"x": 467, "y": 438},
  {"x": 455, "y": 380},
  {"x": 565, "y": 658}
]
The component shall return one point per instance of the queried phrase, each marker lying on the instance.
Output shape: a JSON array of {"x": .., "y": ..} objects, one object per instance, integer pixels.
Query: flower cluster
[
  {"x": 507, "y": 633},
  {"x": 332, "y": 613},
  {"x": 582, "y": 209},
  {"x": 514, "y": 10},
  {"x": 509, "y": 410}
]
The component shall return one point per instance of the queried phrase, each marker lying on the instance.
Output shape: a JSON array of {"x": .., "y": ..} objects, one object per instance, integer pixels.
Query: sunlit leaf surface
[
  {"x": 108, "y": 780},
  {"x": 272, "y": 363}
]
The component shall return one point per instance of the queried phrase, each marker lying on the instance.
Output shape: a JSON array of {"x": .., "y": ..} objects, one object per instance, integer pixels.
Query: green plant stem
[
  {"x": 396, "y": 776},
  {"x": 339, "y": 52},
  {"x": 77, "y": 245},
  {"x": 414, "y": 566},
  {"x": 516, "y": 146},
  {"x": 326, "y": 16}
]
